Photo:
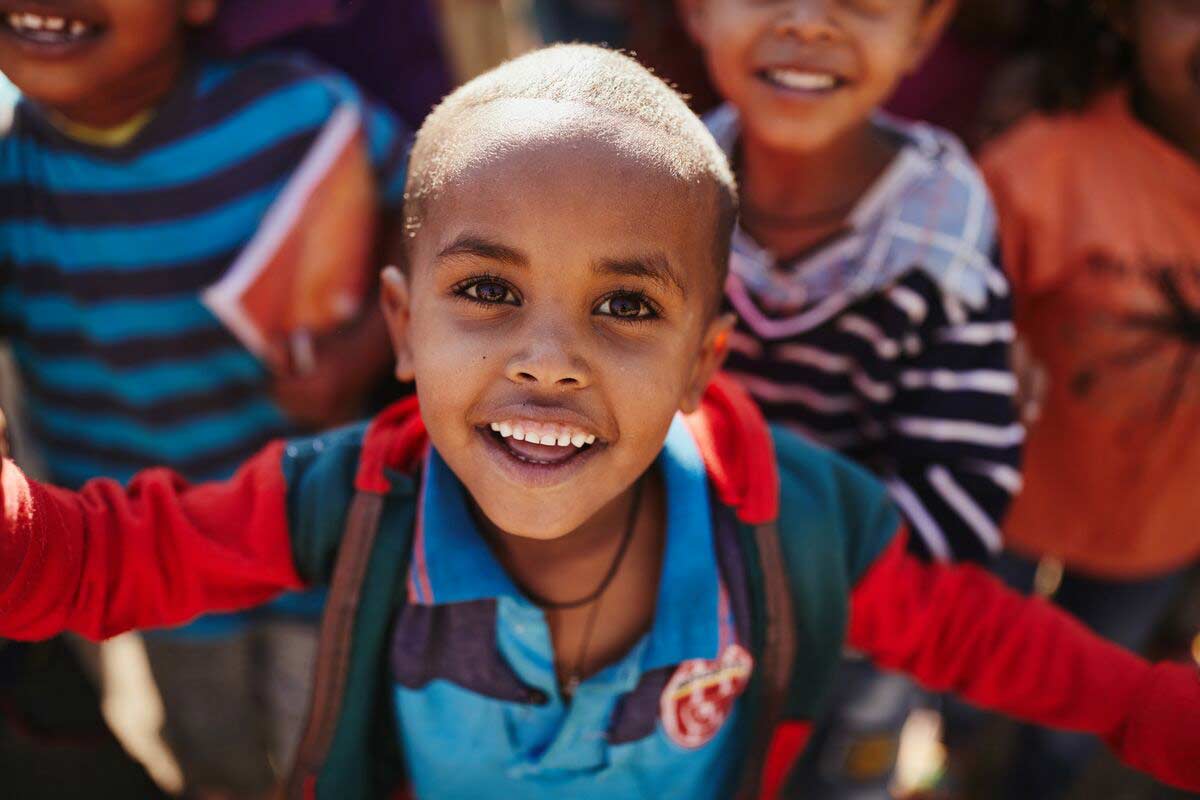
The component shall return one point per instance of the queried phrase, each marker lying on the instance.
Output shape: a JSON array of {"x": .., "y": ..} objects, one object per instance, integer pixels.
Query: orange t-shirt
[{"x": 1100, "y": 229}]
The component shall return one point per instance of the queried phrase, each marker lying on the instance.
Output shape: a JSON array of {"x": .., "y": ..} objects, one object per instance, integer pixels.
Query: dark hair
[
  {"x": 604, "y": 80},
  {"x": 1080, "y": 51}
]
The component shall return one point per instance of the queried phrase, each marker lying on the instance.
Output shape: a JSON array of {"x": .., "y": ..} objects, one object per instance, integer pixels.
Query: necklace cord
[{"x": 591, "y": 597}]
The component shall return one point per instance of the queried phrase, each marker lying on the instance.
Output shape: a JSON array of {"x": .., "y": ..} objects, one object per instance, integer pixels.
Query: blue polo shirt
[{"x": 479, "y": 710}]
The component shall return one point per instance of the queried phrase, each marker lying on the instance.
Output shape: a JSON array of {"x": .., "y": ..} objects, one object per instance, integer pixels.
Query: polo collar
[{"x": 452, "y": 563}]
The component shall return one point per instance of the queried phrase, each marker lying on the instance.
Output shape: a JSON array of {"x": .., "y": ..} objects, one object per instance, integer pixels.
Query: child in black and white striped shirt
[{"x": 872, "y": 316}]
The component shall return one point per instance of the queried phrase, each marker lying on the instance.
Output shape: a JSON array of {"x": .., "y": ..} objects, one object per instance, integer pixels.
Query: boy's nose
[
  {"x": 547, "y": 363},
  {"x": 807, "y": 20}
]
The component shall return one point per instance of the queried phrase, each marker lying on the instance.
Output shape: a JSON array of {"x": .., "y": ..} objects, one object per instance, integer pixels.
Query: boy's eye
[
  {"x": 487, "y": 291},
  {"x": 626, "y": 305}
]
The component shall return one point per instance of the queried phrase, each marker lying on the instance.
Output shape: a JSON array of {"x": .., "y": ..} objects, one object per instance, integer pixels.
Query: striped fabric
[
  {"x": 891, "y": 344},
  {"x": 103, "y": 253}
]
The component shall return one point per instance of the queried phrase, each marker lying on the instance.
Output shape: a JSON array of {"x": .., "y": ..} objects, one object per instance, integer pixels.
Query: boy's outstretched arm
[
  {"x": 957, "y": 628},
  {"x": 107, "y": 559}
]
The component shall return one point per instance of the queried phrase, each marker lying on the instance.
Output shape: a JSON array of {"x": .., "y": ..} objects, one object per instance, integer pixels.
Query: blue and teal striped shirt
[{"x": 104, "y": 253}]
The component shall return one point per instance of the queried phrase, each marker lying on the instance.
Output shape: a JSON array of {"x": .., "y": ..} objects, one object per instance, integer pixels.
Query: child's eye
[
  {"x": 487, "y": 291},
  {"x": 626, "y": 306}
]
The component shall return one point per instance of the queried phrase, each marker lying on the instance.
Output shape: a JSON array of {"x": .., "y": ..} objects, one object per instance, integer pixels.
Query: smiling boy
[{"x": 638, "y": 614}]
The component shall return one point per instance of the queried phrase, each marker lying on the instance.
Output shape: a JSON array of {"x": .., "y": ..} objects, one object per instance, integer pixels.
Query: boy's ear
[
  {"x": 198, "y": 13},
  {"x": 712, "y": 355},
  {"x": 691, "y": 14},
  {"x": 394, "y": 296},
  {"x": 934, "y": 19}
]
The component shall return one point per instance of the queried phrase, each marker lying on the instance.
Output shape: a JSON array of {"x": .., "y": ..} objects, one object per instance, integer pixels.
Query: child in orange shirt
[{"x": 1100, "y": 229}]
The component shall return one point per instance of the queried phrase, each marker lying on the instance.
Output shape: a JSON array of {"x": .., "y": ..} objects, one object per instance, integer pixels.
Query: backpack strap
[
  {"x": 777, "y": 657},
  {"x": 333, "y": 648}
]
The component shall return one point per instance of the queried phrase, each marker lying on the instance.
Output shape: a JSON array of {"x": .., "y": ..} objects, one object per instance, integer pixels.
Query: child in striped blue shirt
[{"x": 132, "y": 176}]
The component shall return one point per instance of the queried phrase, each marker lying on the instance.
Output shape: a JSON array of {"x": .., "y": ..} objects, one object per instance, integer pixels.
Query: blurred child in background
[
  {"x": 872, "y": 318},
  {"x": 135, "y": 173},
  {"x": 1100, "y": 223}
]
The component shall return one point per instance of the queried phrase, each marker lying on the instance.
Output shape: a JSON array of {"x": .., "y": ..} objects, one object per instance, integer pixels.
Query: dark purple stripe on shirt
[
  {"x": 228, "y": 398},
  {"x": 147, "y": 207}
]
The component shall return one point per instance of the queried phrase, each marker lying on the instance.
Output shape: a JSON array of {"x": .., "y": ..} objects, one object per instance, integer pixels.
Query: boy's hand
[
  {"x": 347, "y": 364},
  {"x": 1162, "y": 734}
]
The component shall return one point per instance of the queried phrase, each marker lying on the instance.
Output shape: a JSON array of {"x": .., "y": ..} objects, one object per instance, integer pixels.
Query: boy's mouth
[
  {"x": 541, "y": 443},
  {"x": 801, "y": 81},
  {"x": 537, "y": 452},
  {"x": 49, "y": 34}
]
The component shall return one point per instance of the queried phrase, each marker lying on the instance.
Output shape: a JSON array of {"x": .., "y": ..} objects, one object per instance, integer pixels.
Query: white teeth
[
  {"x": 802, "y": 81},
  {"x": 26, "y": 22},
  {"x": 545, "y": 435}
]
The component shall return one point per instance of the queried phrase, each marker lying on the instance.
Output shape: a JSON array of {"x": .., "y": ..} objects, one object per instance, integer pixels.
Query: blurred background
[{"x": 78, "y": 720}]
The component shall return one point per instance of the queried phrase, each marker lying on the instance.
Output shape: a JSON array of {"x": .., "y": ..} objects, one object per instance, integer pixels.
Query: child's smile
[
  {"x": 52, "y": 33},
  {"x": 558, "y": 311},
  {"x": 96, "y": 62},
  {"x": 541, "y": 447},
  {"x": 804, "y": 72}
]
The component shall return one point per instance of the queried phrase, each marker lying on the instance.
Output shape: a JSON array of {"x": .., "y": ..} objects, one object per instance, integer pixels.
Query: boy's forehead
[
  {"x": 504, "y": 134},
  {"x": 586, "y": 175}
]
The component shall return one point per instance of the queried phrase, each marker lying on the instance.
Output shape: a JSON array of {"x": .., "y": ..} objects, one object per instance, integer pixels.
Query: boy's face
[
  {"x": 559, "y": 287},
  {"x": 66, "y": 52},
  {"x": 804, "y": 72},
  {"x": 1166, "y": 38}
]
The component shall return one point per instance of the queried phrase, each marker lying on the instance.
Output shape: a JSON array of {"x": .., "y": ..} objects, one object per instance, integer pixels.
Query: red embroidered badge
[{"x": 698, "y": 698}]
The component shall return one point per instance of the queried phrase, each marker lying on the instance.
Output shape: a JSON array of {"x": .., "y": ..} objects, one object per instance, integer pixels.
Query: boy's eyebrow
[
  {"x": 473, "y": 245},
  {"x": 654, "y": 267}
]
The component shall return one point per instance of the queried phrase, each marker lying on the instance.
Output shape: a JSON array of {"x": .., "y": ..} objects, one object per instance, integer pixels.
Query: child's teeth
[
  {"x": 78, "y": 28},
  {"x": 33, "y": 22},
  {"x": 547, "y": 436},
  {"x": 794, "y": 79},
  {"x": 55, "y": 23}
]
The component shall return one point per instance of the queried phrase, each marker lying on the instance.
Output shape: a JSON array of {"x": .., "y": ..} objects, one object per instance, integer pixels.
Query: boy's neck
[
  {"x": 567, "y": 567},
  {"x": 1178, "y": 132},
  {"x": 136, "y": 94},
  {"x": 817, "y": 189}
]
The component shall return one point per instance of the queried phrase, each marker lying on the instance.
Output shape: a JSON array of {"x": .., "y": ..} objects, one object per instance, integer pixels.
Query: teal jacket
[{"x": 824, "y": 552}]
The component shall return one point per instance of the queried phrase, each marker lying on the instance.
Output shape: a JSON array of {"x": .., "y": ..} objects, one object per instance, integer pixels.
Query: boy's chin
[{"x": 538, "y": 523}]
